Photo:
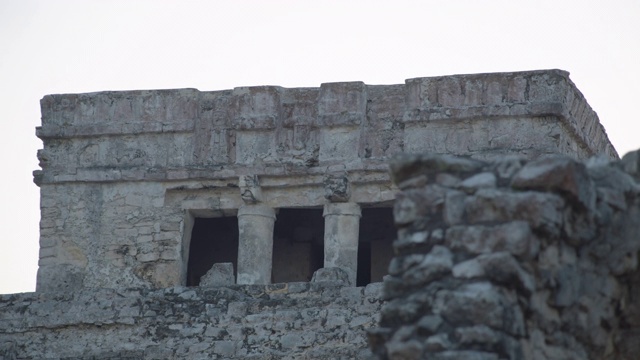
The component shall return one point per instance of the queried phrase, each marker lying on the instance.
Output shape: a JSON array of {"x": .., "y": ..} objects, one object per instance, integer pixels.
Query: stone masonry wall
[
  {"x": 124, "y": 173},
  {"x": 513, "y": 259},
  {"x": 317, "y": 320}
]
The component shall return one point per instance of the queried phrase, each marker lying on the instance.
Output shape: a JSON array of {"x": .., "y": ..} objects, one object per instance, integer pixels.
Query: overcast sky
[{"x": 51, "y": 47}]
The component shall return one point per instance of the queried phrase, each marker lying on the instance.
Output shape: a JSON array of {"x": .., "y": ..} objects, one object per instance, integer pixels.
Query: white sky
[{"x": 49, "y": 47}]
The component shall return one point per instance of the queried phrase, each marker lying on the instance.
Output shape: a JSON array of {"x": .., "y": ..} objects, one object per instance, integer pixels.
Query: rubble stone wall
[
  {"x": 513, "y": 259},
  {"x": 318, "y": 320}
]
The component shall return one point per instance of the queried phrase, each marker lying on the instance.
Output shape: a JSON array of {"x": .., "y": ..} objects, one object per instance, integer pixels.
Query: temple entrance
[
  {"x": 375, "y": 250},
  {"x": 213, "y": 240},
  {"x": 298, "y": 244}
]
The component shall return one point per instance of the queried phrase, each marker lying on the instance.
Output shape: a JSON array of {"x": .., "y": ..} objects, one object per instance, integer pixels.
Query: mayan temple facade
[{"x": 259, "y": 222}]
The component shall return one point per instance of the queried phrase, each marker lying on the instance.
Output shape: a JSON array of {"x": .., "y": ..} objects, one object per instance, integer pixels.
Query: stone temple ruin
[{"x": 259, "y": 222}]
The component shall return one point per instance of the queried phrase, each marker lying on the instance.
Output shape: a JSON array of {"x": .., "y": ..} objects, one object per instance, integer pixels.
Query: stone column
[
  {"x": 341, "y": 230},
  {"x": 255, "y": 248}
]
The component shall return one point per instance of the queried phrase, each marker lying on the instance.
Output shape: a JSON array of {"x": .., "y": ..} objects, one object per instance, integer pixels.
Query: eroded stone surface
[
  {"x": 539, "y": 261},
  {"x": 220, "y": 274},
  {"x": 126, "y": 176},
  {"x": 288, "y": 321}
]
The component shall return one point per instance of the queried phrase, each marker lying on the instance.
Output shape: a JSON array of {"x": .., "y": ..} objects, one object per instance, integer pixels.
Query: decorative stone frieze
[
  {"x": 336, "y": 187},
  {"x": 250, "y": 190}
]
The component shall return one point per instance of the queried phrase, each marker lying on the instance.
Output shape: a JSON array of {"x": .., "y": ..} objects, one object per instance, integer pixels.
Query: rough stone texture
[
  {"x": 341, "y": 232},
  {"x": 284, "y": 321},
  {"x": 220, "y": 274},
  {"x": 127, "y": 175},
  {"x": 539, "y": 260},
  {"x": 333, "y": 274},
  {"x": 255, "y": 223}
]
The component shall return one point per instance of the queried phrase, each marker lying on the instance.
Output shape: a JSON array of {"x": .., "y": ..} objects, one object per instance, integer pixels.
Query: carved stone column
[
  {"x": 341, "y": 231},
  {"x": 255, "y": 248}
]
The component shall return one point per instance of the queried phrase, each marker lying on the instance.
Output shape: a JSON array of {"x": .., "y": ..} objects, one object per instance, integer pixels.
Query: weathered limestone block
[
  {"x": 558, "y": 174},
  {"x": 514, "y": 237},
  {"x": 541, "y": 210},
  {"x": 342, "y": 104},
  {"x": 437, "y": 263},
  {"x": 256, "y": 107},
  {"x": 479, "y": 181},
  {"x": 342, "y": 111},
  {"x": 220, "y": 274},
  {"x": 413, "y": 204},
  {"x": 333, "y": 274},
  {"x": 480, "y": 303}
]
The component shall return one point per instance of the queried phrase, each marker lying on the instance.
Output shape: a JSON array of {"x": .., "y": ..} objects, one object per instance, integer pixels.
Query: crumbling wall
[
  {"x": 317, "y": 320},
  {"x": 513, "y": 259}
]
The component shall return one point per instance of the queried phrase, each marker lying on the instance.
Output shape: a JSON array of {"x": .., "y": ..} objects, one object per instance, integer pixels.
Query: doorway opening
[
  {"x": 298, "y": 244},
  {"x": 375, "y": 250},
  {"x": 213, "y": 240}
]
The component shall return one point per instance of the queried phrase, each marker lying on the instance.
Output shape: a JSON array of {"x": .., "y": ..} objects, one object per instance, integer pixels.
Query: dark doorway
[
  {"x": 213, "y": 240},
  {"x": 298, "y": 245},
  {"x": 375, "y": 250}
]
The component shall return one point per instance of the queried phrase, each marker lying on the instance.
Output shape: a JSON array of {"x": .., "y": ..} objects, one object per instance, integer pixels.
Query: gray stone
[
  {"x": 332, "y": 274},
  {"x": 414, "y": 182},
  {"x": 503, "y": 268},
  {"x": 514, "y": 237},
  {"x": 541, "y": 210},
  {"x": 409, "y": 350},
  {"x": 341, "y": 234},
  {"x": 480, "y": 304},
  {"x": 250, "y": 190},
  {"x": 559, "y": 174},
  {"x": 406, "y": 166},
  {"x": 414, "y": 240},
  {"x": 415, "y": 204},
  {"x": 468, "y": 269},
  {"x": 476, "y": 335},
  {"x": 613, "y": 177},
  {"x": 429, "y": 324},
  {"x": 631, "y": 164},
  {"x": 478, "y": 181},
  {"x": 437, "y": 342},
  {"x": 255, "y": 225},
  {"x": 464, "y": 355},
  {"x": 447, "y": 180},
  {"x": 454, "y": 207},
  {"x": 336, "y": 187},
  {"x": 220, "y": 274},
  {"x": 436, "y": 264},
  {"x": 500, "y": 267},
  {"x": 400, "y": 264},
  {"x": 508, "y": 165}
]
